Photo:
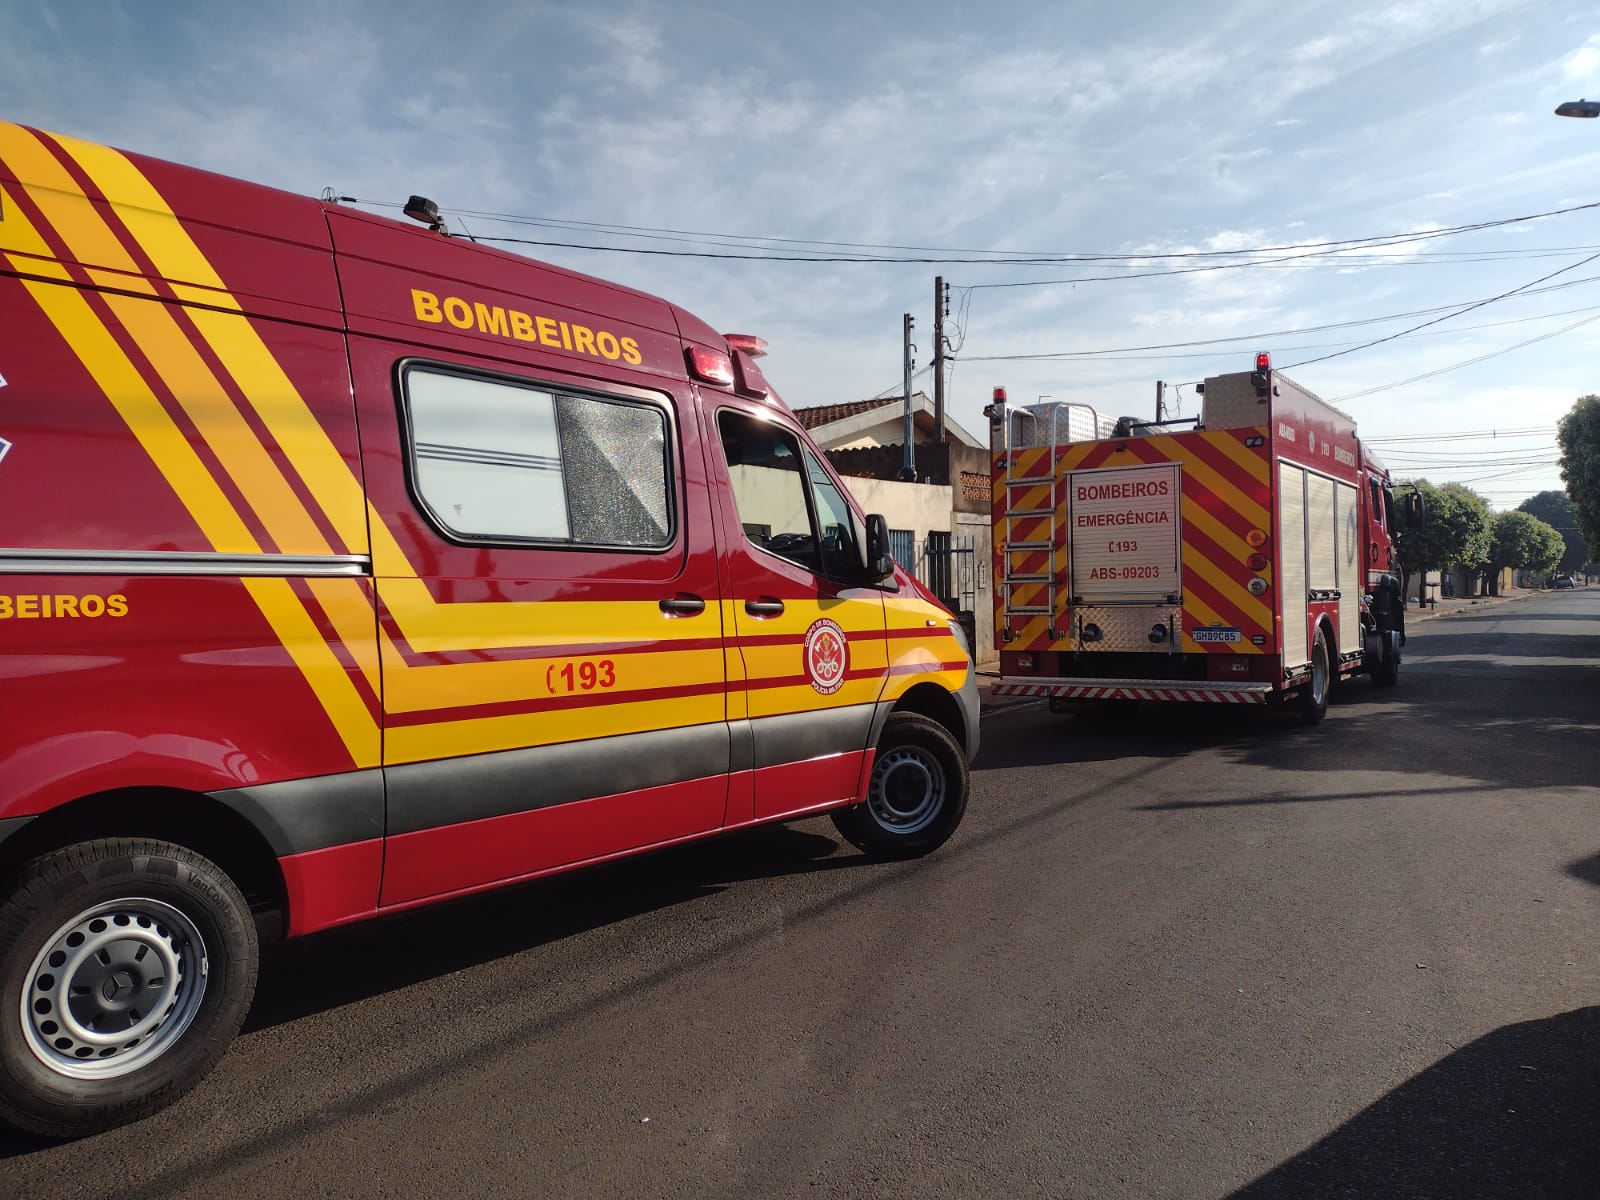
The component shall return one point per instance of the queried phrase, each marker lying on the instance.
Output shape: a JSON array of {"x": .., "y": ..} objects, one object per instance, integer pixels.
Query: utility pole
[
  {"x": 938, "y": 360},
  {"x": 1161, "y": 412},
  {"x": 908, "y": 460}
]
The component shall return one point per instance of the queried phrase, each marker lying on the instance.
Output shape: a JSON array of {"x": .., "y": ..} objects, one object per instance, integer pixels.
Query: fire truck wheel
[
  {"x": 126, "y": 968},
  {"x": 917, "y": 793},
  {"x": 1314, "y": 692},
  {"x": 1386, "y": 672}
]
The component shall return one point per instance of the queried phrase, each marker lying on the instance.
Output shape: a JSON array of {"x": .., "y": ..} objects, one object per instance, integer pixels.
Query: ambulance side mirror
[{"x": 880, "y": 563}]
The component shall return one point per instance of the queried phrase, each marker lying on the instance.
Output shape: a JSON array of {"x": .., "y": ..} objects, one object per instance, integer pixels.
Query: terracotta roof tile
[{"x": 827, "y": 414}]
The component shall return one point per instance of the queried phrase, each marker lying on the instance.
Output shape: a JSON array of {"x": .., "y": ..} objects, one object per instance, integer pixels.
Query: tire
[
  {"x": 1314, "y": 692},
  {"x": 1386, "y": 671},
  {"x": 917, "y": 793},
  {"x": 108, "y": 922}
]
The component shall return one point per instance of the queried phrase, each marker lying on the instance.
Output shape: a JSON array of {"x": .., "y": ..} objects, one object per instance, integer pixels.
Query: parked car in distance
[{"x": 1562, "y": 581}]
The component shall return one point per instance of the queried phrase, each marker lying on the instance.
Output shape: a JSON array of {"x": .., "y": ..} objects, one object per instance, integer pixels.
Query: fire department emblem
[{"x": 827, "y": 656}]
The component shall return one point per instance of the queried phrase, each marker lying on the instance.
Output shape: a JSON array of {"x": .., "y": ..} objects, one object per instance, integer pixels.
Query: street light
[{"x": 1579, "y": 108}]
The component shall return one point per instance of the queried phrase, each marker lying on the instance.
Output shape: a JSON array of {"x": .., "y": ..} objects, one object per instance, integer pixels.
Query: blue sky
[{"x": 976, "y": 130}]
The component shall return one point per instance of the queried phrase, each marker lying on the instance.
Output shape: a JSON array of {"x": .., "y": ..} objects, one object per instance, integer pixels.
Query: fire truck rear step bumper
[{"x": 1184, "y": 690}]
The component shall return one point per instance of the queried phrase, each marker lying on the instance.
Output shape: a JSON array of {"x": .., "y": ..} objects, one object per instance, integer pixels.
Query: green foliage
[
  {"x": 1524, "y": 542},
  {"x": 1458, "y": 529},
  {"x": 1555, "y": 509},
  {"x": 1579, "y": 436}
]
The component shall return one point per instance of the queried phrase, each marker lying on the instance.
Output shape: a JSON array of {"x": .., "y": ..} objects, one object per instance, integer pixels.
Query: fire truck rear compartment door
[
  {"x": 1124, "y": 534},
  {"x": 1292, "y": 584},
  {"x": 1352, "y": 570}
]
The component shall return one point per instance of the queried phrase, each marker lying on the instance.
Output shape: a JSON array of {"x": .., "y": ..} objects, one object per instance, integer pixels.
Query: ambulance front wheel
[
  {"x": 916, "y": 795},
  {"x": 126, "y": 968}
]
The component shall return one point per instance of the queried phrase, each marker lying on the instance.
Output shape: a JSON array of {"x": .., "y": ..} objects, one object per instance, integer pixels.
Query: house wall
[{"x": 922, "y": 508}]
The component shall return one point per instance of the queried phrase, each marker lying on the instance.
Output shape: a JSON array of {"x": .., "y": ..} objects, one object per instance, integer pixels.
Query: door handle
[
  {"x": 764, "y": 607},
  {"x": 683, "y": 605}
]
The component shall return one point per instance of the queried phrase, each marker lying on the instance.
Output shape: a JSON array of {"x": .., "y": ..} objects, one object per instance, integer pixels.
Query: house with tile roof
[{"x": 939, "y": 525}]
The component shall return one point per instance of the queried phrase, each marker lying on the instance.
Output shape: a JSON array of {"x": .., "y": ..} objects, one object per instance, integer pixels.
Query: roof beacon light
[
  {"x": 713, "y": 366},
  {"x": 752, "y": 345},
  {"x": 1261, "y": 379},
  {"x": 420, "y": 208}
]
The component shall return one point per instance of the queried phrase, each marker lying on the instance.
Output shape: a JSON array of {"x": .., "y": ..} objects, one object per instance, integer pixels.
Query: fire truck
[{"x": 1246, "y": 556}]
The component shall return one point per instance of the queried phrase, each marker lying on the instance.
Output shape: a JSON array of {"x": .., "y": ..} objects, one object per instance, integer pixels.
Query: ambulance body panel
[{"x": 346, "y": 566}]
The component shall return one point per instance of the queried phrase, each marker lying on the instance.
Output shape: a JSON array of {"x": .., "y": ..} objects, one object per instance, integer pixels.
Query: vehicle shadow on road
[
  {"x": 1588, "y": 870},
  {"x": 1146, "y": 730},
  {"x": 1512, "y": 1114},
  {"x": 309, "y": 975}
]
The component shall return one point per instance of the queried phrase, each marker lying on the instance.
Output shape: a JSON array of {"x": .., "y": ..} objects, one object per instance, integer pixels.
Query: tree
[
  {"x": 1523, "y": 542},
  {"x": 1555, "y": 509},
  {"x": 1579, "y": 436},
  {"x": 1457, "y": 529}
]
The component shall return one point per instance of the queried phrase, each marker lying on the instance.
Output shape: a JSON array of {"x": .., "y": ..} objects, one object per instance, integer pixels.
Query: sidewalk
[
  {"x": 989, "y": 675},
  {"x": 1458, "y": 604}
]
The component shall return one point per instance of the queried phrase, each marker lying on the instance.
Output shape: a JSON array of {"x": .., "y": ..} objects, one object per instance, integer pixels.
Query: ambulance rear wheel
[
  {"x": 916, "y": 795},
  {"x": 1314, "y": 692},
  {"x": 126, "y": 968}
]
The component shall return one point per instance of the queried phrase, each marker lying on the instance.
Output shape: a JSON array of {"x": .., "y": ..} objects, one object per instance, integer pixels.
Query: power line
[
  {"x": 1271, "y": 335},
  {"x": 1481, "y": 303},
  {"x": 870, "y": 252},
  {"x": 1466, "y": 435}
]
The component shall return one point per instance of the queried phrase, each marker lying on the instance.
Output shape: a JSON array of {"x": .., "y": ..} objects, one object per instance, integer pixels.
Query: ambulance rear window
[{"x": 497, "y": 460}]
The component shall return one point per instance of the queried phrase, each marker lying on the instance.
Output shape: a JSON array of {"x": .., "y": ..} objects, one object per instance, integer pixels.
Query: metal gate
[{"x": 952, "y": 569}]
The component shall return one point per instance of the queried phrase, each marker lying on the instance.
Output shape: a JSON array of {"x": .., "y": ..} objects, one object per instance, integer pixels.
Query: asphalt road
[{"x": 1192, "y": 954}]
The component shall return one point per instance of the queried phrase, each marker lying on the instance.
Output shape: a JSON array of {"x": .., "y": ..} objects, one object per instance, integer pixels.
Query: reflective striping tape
[{"x": 1218, "y": 694}]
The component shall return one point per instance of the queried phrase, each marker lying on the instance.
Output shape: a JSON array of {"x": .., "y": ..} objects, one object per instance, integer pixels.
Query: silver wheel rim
[
  {"x": 1319, "y": 677},
  {"x": 907, "y": 790},
  {"x": 113, "y": 989}
]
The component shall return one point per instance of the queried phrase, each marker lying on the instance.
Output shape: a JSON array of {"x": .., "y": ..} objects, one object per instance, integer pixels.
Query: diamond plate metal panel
[
  {"x": 1127, "y": 627},
  {"x": 1231, "y": 403}
]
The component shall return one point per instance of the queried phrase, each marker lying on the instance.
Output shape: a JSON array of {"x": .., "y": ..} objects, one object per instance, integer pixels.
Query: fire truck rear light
[
  {"x": 999, "y": 395},
  {"x": 1263, "y": 362},
  {"x": 713, "y": 366},
  {"x": 1255, "y": 539},
  {"x": 1258, "y": 562},
  {"x": 752, "y": 345},
  {"x": 1257, "y": 586}
]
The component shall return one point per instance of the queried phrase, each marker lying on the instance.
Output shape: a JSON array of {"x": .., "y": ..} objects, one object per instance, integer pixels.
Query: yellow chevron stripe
[
  {"x": 133, "y": 399},
  {"x": 305, "y": 445},
  {"x": 1205, "y": 615},
  {"x": 148, "y": 218},
  {"x": 61, "y": 202},
  {"x": 461, "y": 685},
  {"x": 347, "y": 603},
  {"x": 248, "y": 464},
  {"x": 321, "y": 669},
  {"x": 24, "y": 248},
  {"x": 450, "y": 739},
  {"x": 1248, "y": 460}
]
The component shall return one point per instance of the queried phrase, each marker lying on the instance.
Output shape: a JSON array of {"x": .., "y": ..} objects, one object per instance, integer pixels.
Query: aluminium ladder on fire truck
[{"x": 1034, "y": 427}]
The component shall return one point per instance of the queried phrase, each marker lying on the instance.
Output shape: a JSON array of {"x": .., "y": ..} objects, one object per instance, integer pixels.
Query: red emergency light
[
  {"x": 752, "y": 345},
  {"x": 1261, "y": 379},
  {"x": 713, "y": 366},
  {"x": 999, "y": 395}
]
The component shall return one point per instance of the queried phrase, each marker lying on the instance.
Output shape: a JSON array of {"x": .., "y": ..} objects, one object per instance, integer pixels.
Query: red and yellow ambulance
[{"x": 346, "y": 566}]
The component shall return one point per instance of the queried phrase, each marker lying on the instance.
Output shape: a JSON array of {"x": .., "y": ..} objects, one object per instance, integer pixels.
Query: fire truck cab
[
  {"x": 1244, "y": 557},
  {"x": 346, "y": 566}
]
